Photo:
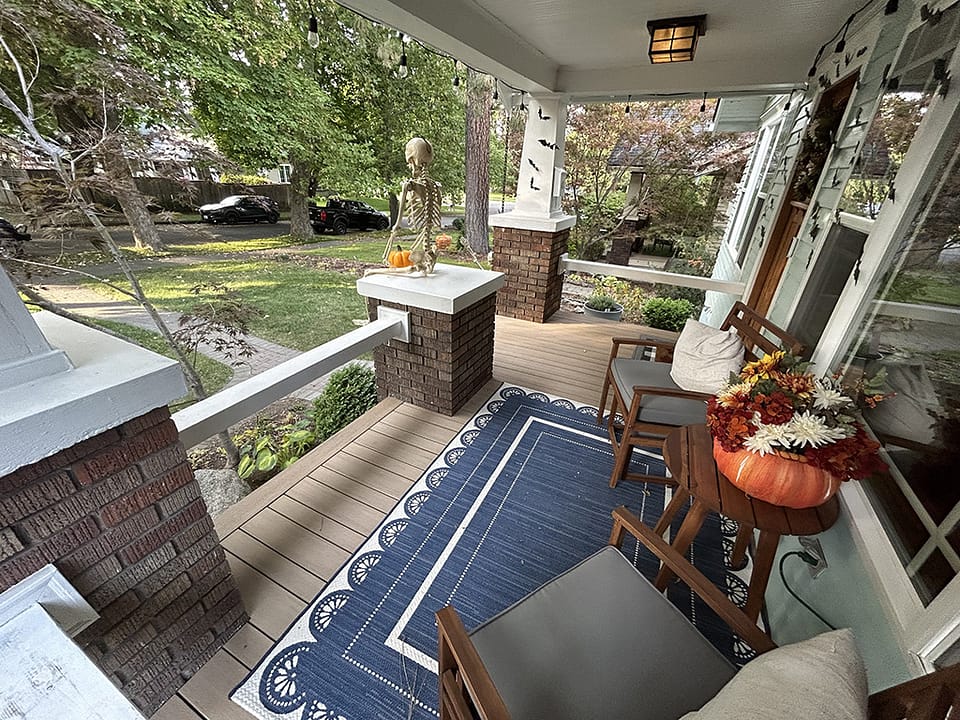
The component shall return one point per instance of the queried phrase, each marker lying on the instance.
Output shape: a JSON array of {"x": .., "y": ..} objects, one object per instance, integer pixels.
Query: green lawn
[
  {"x": 371, "y": 251},
  {"x": 302, "y": 307},
  {"x": 213, "y": 374},
  {"x": 215, "y": 247},
  {"x": 939, "y": 287}
]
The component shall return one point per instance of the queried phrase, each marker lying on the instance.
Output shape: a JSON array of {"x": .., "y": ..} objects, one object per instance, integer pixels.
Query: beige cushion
[
  {"x": 822, "y": 678},
  {"x": 704, "y": 357}
]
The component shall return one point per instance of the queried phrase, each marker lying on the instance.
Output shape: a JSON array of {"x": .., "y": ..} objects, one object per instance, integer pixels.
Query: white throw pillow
[
  {"x": 822, "y": 678},
  {"x": 704, "y": 357}
]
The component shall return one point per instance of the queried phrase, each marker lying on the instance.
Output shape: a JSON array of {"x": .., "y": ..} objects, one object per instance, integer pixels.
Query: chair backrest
[{"x": 755, "y": 331}]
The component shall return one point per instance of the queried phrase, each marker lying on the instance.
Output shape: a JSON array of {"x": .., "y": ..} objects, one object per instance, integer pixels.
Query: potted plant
[
  {"x": 601, "y": 305},
  {"x": 790, "y": 438}
]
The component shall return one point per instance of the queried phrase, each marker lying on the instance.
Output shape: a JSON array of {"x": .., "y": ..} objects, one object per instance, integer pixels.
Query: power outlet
[{"x": 812, "y": 546}]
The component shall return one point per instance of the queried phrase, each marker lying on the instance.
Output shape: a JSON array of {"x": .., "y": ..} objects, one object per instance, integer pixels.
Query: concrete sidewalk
[{"x": 83, "y": 301}]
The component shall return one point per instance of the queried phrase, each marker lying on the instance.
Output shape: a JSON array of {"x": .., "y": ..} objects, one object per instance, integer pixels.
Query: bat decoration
[
  {"x": 532, "y": 186},
  {"x": 541, "y": 115},
  {"x": 944, "y": 86},
  {"x": 892, "y": 194},
  {"x": 815, "y": 230},
  {"x": 847, "y": 59},
  {"x": 861, "y": 51},
  {"x": 547, "y": 144},
  {"x": 533, "y": 165}
]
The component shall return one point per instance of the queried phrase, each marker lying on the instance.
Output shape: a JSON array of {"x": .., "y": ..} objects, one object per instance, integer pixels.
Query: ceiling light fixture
[{"x": 675, "y": 39}]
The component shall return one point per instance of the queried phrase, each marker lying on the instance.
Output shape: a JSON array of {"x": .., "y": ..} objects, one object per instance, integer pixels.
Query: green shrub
[
  {"x": 244, "y": 179},
  {"x": 350, "y": 392},
  {"x": 667, "y": 313},
  {"x": 457, "y": 223},
  {"x": 268, "y": 446},
  {"x": 584, "y": 245}
]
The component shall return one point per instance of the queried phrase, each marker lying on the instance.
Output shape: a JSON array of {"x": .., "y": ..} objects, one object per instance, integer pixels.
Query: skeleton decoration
[{"x": 420, "y": 200}]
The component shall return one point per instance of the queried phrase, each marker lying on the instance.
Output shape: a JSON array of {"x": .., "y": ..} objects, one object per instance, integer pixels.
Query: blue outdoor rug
[{"x": 520, "y": 496}]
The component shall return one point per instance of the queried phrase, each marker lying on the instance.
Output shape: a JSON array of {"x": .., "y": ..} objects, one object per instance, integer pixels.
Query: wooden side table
[{"x": 688, "y": 453}]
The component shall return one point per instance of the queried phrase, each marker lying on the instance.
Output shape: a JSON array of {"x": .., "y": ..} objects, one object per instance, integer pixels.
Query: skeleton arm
[{"x": 392, "y": 240}]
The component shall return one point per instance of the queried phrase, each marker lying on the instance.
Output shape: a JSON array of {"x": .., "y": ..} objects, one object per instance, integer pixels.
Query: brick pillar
[
  {"x": 121, "y": 516},
  {"x": 448, "y": 359},
  {"x": 621, "y": 248},
  {"x": 530, "y": 259}
]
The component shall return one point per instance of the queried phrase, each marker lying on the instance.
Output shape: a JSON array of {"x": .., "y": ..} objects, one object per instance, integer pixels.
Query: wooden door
[{"x": 775, "y": 258}]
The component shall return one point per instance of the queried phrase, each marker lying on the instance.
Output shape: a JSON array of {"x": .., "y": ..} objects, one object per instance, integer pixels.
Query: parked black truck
[{"x": 338, "y": 216}]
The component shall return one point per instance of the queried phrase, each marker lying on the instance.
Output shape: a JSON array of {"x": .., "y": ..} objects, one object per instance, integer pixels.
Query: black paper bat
[
  {"x": 533, "y": 164},
  {"x": 532, "y": 186},
  {"x": 541, "y": 115},
  {"x": 547, "y": 144}
]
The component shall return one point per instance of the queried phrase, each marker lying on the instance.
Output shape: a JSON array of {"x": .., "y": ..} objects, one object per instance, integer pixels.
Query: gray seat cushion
[
  {"x": 653, "y": 409},
  {"x": 599, "y": 641}
]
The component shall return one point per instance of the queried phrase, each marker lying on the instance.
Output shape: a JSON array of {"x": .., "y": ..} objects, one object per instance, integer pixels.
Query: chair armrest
[
  {"x": 670, "y": 392},
  {"x": 625, "y": 521},
  {"x": 460, "y": 665},
  {"x": 928, "y": 697},
  {"x": 663, "y": 343}
]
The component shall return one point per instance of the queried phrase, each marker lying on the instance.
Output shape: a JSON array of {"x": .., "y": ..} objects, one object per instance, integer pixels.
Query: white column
[
  {"x": 541, "y": 178},
  {"x": 25, "y": 354}
]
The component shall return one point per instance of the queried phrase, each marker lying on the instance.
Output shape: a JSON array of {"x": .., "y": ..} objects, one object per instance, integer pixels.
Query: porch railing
[
  {"x": 627, "y": 272},
  {"x": 206, "y": 418}
]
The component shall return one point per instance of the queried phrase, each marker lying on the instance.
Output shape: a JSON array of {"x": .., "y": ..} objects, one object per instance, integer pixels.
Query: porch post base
[
  {"x": 530, "y": 260},
  {"x": 450, "y": 353}
]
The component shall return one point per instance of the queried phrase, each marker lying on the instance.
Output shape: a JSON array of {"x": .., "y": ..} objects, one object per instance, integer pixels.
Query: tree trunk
[
  {"x": 394, "y": 208},
  {"x": 299, "y": 214},
  {"x": 124, "y": 188},
  {"x": 476, "y": 221}
]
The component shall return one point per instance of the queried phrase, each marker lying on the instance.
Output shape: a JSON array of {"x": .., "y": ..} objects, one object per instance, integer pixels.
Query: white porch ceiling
[{"x": 593, "y": 50}]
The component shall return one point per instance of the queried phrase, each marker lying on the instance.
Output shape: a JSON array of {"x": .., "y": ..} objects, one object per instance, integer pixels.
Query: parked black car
[
  {"x": 241, "y": 208},
  {"x": 340, "y": 215}
]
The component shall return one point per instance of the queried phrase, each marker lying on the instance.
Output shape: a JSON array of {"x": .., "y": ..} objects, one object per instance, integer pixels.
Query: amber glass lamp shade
[{"x": 675, "y": 39}]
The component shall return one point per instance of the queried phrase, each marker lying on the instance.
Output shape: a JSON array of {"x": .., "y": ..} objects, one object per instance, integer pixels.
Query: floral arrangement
[{"x": 776, "y": 406}]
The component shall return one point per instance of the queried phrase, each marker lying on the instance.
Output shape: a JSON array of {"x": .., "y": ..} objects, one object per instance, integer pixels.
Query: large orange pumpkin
[
  {"x": 788, "y": 481},
  {"x": 399, "y": 258}
]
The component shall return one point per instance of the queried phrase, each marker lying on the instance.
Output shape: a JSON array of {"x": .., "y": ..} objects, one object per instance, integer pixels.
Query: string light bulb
[
  {"x": 843, "y": 38},
  {"x": 786, "y": 107},
  {"x": 313, "y": 34},
  {"x": 456, "y": 75},
  {"x": 402, "y": 70},
  {"x": 703, "y": 104},
  {"x": 496, "y": 92},
  {"x": 626, "y": 110}
]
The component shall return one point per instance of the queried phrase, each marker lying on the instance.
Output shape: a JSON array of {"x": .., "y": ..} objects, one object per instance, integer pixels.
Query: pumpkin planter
[{"x": 779, "y": 479}]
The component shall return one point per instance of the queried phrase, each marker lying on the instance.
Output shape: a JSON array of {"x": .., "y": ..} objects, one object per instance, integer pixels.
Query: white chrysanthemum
[
  {"x": 826, "y": 395},
  {"x": 766, "y": 439},
  {"x": 806, "y": 429}
]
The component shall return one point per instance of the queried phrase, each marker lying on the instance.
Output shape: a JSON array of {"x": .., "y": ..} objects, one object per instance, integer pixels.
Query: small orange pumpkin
[
  {"x": 790, "y": 482},
  {"x": 443, "y": 241},
  {"x": 399, "y": 258}
]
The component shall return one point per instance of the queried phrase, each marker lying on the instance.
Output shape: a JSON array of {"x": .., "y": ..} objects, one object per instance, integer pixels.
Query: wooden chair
[
  {"x": 652, "y": 404},
  {"x": 657, "y": 672}
]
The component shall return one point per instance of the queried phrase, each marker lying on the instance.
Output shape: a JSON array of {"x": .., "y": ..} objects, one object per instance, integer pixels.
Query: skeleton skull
[{"x": 418, "y": 153}]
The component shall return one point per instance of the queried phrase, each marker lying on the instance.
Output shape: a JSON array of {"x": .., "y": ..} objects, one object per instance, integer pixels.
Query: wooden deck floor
[{"x": 285, "y": 540}]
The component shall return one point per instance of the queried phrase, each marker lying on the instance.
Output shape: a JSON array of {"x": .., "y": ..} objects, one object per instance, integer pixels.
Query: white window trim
[{"x": 922, "y": 632}]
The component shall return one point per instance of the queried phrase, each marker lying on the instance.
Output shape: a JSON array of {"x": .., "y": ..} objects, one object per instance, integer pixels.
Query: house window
[
  {"x": 286, "y": 172},
  {"x": 911, "y": 335}
]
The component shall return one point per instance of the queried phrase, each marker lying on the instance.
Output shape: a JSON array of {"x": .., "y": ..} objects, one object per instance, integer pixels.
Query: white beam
[
  {"x": 231, "y": 405},
  {"x": 469, "y": 34},
  {"x": 628, "y": 272}
]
